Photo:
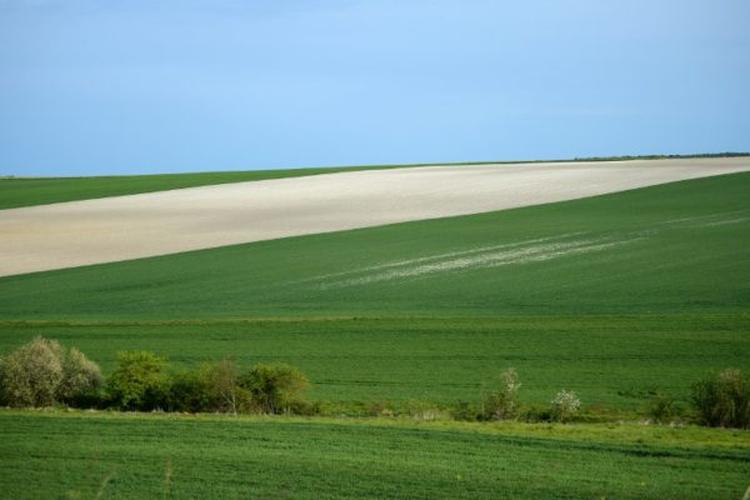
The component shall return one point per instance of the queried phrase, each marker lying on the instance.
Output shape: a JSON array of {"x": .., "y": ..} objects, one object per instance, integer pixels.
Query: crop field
[
  {"x": 619, "y": 297},
  {"x": 121, "y": 228},
  {"x": 28, "y": 191},
  {"x": 671, "y": 249},
  {"x": 93, "y": 456},
  {"x": 617, "y": 362}
]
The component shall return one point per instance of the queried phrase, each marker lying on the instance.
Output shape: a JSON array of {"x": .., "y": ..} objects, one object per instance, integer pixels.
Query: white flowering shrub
[{"x": 565, "y": 404}]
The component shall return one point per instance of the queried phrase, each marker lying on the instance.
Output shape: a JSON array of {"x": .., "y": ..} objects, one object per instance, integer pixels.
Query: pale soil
[{"x": 127, "y": 227}]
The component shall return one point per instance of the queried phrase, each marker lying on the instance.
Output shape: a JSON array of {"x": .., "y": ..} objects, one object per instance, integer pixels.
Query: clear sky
[{"x": 104, "y": 87}]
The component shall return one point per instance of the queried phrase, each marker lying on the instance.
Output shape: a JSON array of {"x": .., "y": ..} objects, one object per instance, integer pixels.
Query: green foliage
[
  {"x": 212, "y": 387},
  {"x": 501, "y": 402},
  {"x": 723, "y": 399},
  {"x": 82, "y": 378},
  {"x": 140, "y": 381},
  {"x": 275, "y": 387},
  {"x": 32, "y": 374},
  {"x": 43, "y": 373},
  {"x": 662, "y": 409},
  {"x": 465, "y": 411}
]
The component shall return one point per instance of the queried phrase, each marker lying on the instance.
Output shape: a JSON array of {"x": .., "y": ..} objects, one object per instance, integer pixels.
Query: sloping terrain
[
  {"x": 121, "y": 228},
  {"x": 676, "y": 248},
  {"x": 18, "y": 192}
]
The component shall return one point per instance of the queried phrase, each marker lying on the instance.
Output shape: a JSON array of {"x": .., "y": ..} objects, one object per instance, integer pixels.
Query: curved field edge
[
  {"x": 675, "y": 248},
  {"x": 25, "y": 192},
  {"x": 18, "y": 192},
  {"x": 94, "y": 455}
]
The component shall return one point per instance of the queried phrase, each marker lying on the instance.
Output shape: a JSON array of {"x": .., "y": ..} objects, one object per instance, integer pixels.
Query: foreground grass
[
  {"x": 616, "y": 362},
  {"x": 78, "y": 455}
]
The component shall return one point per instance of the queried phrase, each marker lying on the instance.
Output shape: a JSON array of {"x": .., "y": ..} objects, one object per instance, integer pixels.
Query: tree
[
  {"x": 723, "y": 399},
  {"x": 43, "y": 373},
  {"x": 502, "y": 402},
  {"x": 565, "y": 405},
  {"x": 140, "y": 381},
  {"x": 81, "y": 377},
  {"x": 276, "y": 387}
]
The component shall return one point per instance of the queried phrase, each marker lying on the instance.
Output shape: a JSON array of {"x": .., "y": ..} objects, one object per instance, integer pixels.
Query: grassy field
[
  {"x": 100, "y": 456},
  {"x": 617, "y": 297},
  {"x": 671, "y": 249},
  {"x": 614, "y": 362}
]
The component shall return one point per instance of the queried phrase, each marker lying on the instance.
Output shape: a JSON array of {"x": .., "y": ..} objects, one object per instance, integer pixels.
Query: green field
[
  {"x": 618, "y": 297},
  {"x": 613, "y": 362},
  {"x": 98, "y": 456},
  {"x": 671, "y": 249}
]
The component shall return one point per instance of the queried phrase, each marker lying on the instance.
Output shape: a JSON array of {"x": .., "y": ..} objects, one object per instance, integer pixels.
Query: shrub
[
  {"x": 275, "y": 388},
  {"x": 81, "y": 379},
  {"x": 463, "y": 410},
  {"x": 187, "y": 392},
  {"x": 723, "y": 399},
  {"x": 536, "y": 413},
  {"x": 502, "y": 403},
  {"x": 139, "y": 382},
  {"x": 662, "y": 409},
  {"x": 565, "y": 405},
  {"x": 222, "y": 386},
  {"x": 212, "y": 387},
  {"x": 42, "y": 373}
]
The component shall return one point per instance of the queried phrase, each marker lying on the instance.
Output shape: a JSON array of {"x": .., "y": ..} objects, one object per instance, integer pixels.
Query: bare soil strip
[{"x": 127, "y": 227}]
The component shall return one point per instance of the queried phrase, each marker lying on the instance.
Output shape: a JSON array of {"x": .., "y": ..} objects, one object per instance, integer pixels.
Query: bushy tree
[
  {"x": 502, "y": 401},
  {"x": 275, "y": 388},
  {"x": 43, "y": 373},
  {"x": 565, "y": 405},
  {"x": 81, "y": 377},
  {"x": 140, "y": 381},
  {"x": 213, "y": 387},
  {"x": 723, "y": 399},
  {"x": 222, "y": 383},
  {"x": 187, "y": 392}
]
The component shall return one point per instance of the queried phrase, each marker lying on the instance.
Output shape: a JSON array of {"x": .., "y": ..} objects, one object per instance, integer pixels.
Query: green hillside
[
  {"x": 618, "y": 297},
  {"x": 675, "y": 248}
]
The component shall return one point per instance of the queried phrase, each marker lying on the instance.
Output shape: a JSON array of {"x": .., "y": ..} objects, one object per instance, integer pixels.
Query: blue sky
[{"x": 128, "y": 87}]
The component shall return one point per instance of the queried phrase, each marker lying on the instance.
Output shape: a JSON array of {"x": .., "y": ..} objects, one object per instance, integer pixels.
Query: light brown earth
[{"x": 127, "y": 227}]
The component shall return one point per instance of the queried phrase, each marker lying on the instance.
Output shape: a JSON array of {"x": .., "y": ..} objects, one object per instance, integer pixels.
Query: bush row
[{"x": 44, "y": 373}]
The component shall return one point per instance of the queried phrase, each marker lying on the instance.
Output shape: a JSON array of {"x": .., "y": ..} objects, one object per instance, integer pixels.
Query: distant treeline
[{"x": 726, "y": 154}]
